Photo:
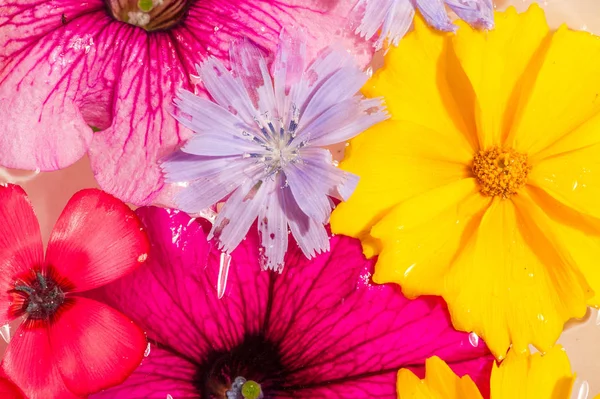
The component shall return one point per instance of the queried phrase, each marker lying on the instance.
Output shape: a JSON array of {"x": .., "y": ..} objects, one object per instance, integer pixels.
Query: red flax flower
[{"x": 68, "y": 345}]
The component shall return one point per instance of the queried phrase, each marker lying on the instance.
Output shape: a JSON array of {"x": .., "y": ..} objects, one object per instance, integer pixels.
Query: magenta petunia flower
[
  {"x": 319, "y": 330},
  {"x": 259, "y": 143},
  {"x": 391, "y": 19},
  {"x": 68, "y": 345},
  {"x": 66, "y": 65}
]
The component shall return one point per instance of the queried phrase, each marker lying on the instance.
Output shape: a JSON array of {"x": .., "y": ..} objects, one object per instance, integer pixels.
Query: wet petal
[
  {"x": 96, "y": 240},
  {"x": 20, "y": 242},
  {"x": 477, "y": 13},
  {"x": 161, "y": 374},
  {"x": 30, "y": 363},
  {"x": 392, "y": 17},
  {"x": 434, "y": 12},
  {"x": 273, "y": 227}
]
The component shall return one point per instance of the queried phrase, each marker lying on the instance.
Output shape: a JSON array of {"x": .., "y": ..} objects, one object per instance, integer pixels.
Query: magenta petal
[
  {"x": 162, "y": 373},
  {"x": 337, "y": 335}
]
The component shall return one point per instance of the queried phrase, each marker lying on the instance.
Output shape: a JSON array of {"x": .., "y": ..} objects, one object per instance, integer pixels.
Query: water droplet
[
  {"x": 474, "y": 339},
  {"x": 224, "y": 263},
  {"x": 147, "y": 351},
  {"x": 5, "y": 332}
]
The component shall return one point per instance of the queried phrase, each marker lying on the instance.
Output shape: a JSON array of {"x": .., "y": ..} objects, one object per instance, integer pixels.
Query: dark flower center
[
  {"x": 39, "y": 297},
  {"x": 251, "y": 370},
  {"x": 151, "y": 15}
]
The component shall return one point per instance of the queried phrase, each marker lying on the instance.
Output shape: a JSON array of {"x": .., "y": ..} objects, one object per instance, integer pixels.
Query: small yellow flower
[
  {"x": 484, "y": 187},
  {"x": 519, "y": 376}
]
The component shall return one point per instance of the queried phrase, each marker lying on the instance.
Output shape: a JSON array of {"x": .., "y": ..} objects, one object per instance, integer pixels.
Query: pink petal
[
  {"x": 30, "y": 363},
  {"x": 181, "y": 286},
  {"x": 340, "y": 335},
  {"x": 327, "y": 296},
  {"x": 162, "y": 373},
  {"x": 20, "y": 242},
  {"x": 9, "y": 390},
  {"x": 67, "y": 64},
  {"x": 96, "y": 240},
  {"x": 94, "y": 346}
]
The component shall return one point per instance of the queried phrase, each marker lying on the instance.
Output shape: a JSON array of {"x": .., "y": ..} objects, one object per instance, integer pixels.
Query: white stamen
[
  {"x": 138, "y": 18},
  {"x": 224, "y": 263}
]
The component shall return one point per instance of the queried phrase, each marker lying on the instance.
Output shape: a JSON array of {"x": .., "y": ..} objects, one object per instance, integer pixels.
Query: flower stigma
[
  {"x": 40, "y": 297},
  {"x": 244, "y": 389},
  {"x": 500, "y": 172},
  {"x": 151, "y": 15}
]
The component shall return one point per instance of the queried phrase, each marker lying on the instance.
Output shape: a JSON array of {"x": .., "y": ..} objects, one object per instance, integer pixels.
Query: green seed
[
  {"x": 145, "y": 5},
  {"x": 251, "y": 390}
]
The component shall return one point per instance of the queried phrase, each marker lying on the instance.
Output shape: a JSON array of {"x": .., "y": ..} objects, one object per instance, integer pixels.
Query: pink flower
[
  {"x": 66, "y": 65},
  {"x": 68, "y": 345},
  {"x": 8, "y": 390},
  {"x": 321, "y": 329}
]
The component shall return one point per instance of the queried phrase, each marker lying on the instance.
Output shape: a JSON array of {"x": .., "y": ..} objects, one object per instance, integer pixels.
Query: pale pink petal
[
  {"x": 30, "y": 363},
  {"x": 161, "y": 373},
  {"x": 21, "y": 245}
]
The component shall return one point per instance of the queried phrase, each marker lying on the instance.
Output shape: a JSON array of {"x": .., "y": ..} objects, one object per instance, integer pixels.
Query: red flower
[
  {"x": 68, "y": 345},
  {"x": 8, "y": 390}
]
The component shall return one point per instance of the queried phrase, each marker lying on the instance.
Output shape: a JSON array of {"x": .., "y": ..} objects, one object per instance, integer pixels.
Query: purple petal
[
  {"x": 342, "y": 121},
  {"x": 434, "y": 12},
  {"x": 477, "y": 13},
  {"x": 339, "y": 335},
  {"x": 273, "y": 228},
  {"x": 397, "y": 23},
  {"x": 392, "y": 17},
  {"x": 239, "y": 212}
]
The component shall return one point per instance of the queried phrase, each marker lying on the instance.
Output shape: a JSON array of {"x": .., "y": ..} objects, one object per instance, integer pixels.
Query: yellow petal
[
  {"x": 572, "y": 178},
  {"x": 524, "y": 376},
  {"x": 564, "y": 91},
  {"x": 495, "y": 61},
  {"x": 440, "y": 383},
  {"x": 510, "y": 285},
  {"x": 577, "y": 237},
  {"x": 421, "y": 236},
  {"x": 395, "y": 160},
  {"x": 422, "y": 82}
]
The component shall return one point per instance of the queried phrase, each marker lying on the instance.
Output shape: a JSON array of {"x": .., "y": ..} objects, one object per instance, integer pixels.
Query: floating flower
[
  {"x": 483, "y": 188},
  {"x": 66, "y": 65},
  {"x": 522, "y": 376},
  {"x": 259, "y": 143},
  {"x": 67, "y": 342},
  {"x": 320, "y": 330},
  {"x": 392, "y": 18}
]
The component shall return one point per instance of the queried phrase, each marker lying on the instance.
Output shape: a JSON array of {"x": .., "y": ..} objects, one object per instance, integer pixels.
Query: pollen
[{"x": 500, "y": 172}]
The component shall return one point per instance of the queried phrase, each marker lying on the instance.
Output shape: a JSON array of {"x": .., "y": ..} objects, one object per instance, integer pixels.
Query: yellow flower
[
  {"x": 484, "y": 187},
  {"x": 519, "y": 376}
]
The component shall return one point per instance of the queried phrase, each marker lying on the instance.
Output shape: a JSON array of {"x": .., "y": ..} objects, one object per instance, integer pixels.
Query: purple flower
[
  {"x": 320, "y": 330},
  {"x": 393, "y": 18},
  {"x": 259, "y": 143},
  {"x": 67, "y": 65}
]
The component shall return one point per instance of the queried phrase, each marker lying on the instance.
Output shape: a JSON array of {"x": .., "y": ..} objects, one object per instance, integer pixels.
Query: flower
[
  {"x": 8, "y": 390},
  {"x": 114, "y": 65},
  {"x": 67, "y": 345},
  {"x": 518, "y": 376},
  {"x": 259, "y": 142},
  {"x": 483, "y": 187},
  {"x": 392, "y": 18},
  {"x": 319, "y": 330}
]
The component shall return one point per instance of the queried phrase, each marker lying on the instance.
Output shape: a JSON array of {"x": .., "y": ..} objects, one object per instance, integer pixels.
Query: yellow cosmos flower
[
  {"x": 519, "y": 376},
  {"x": 484, "y": 187}
]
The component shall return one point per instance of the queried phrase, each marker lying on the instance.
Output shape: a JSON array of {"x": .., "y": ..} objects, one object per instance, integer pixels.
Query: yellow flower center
[{"x": 500, "y": 171}]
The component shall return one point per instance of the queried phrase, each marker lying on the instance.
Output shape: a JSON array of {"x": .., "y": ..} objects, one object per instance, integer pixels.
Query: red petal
[
  {"x": 29, "y": 362},
  {"x": 8, "y": 390},
  {"x": 95, "y": 346},
  {"x": 20, "y": 242},
  {"x": 96, "y": 240}
]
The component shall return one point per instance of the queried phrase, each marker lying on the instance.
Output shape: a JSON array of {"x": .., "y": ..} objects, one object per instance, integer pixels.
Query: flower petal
[
  {"x": 392, "y": 17},
  {"x": 30, "y": 363},
  {"x": 96, "y": 240},
  {"x": 94, "y": 346},
  {"x": 179, "y": 283},
  {"x": 8, "y": 390},
  {"x": 434, "y": 12},
  {"x": 421, "y": 236},
  {"x": 507, "y": 52},
  {"x": 21, "y": 245},
  {"x": 161, "y": 374},
  {"x": 572, "y": 178},
  {"x": 439, "y": 382},
  {"x": 273, "y": 227},
  {"x": 532, "y": 289},
  {"x": 563, "y": 91},
  {"x": 477, "y": 13},
  {"x": 395, "y": 161},
  {"x": 334, "y": 351},
  {"x": 533, "y": 376}
]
